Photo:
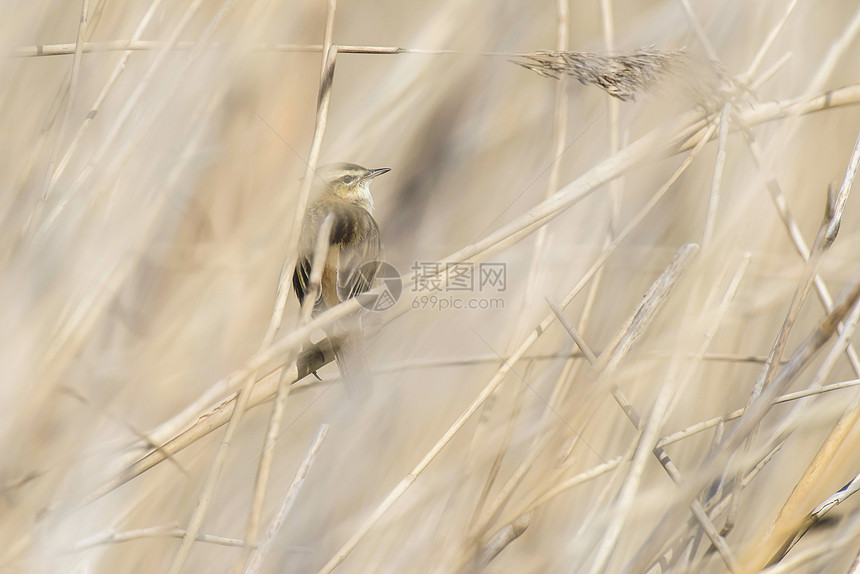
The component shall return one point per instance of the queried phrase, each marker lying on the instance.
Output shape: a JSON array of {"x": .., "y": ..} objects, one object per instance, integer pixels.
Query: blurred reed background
[{"x": 148, "y": 199}]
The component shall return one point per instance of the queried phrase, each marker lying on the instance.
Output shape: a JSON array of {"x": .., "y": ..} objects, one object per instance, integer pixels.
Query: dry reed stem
[
  {"x": 415, "y": 364},
  {"x": 835, "y": 500},
  {"x": 560, "y": 135},
  {"x": 214, "y": 418},
  {"x": 623, "y": 76},
  {"x": 256, "y": 561},
  {"x": 502, "y": 538},
  {"x": 622, "y": 506},
  {"x": 284, "y": 385},
  {"x": 793, "y": 510},
  {"x": 771, "y": 71},
  {"x": 103, "y": 94},
  {"x": 849, "y": 534},
  {"x": 663, "y": 457},
  {"x": 496, "y": 465},
  {"x": 630, "y": 331},
  {"x": 651, "y": 303},
  {"x": 697, "y": 508},
  {"x": 72, "y": 92},
  {"x": 574, "y": 334},
  {"x": 613, "y": 106},
  {"x": 82, "y": 320},
  {"x": 167, "y": 530},
  {"x": 837, "y": 49},
  {"x": 788, "y": 397},
  {"x": 714, "y": 509},
  {"x": 790, "y": 223},
  {"x": 696, "y": 25},
  {"x": 768, "y": 42},
  {"x": 792, "y": 421},
  {"x": 41, "y": 50},
  {"x": 558, "y": 488},
  {"x": 74, "y": 328},
  {"x": 244, "y": 396},
  {"x": 131, "y": 104},
  {"x": 559, "y": 131},
  {"x": 716, "y": 180},
  {"x": 766, "y": 375},
  {"x": 802, "y": 105},
  {"x": 748, "y": 421},
  {"x": 615, "y": 350}
]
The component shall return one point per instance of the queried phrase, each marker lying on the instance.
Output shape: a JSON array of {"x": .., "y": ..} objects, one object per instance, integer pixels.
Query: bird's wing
[
  {"x": 302, "y": 278},
  {"x": 359, "y": 259},
  {"x": 307, "y": 241}
]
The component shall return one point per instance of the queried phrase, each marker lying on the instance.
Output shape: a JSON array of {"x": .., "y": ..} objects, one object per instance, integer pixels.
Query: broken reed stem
[
  {"x": 671, "y": 469},
  {"x": 796, "y": 504},
  {"x": 820, "y": 511},
  {"x": 781, "y": 204},
  {"x": 651, "y": 303},
  {"x": 768, "y": 372},
  {"x": 792, "y": 511},
  {"x": 699, "y": 513},
  {"x": 714, "y": 462}
]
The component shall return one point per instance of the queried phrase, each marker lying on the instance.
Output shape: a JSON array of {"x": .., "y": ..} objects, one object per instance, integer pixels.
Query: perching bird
[{"x": 342, "y": 190}]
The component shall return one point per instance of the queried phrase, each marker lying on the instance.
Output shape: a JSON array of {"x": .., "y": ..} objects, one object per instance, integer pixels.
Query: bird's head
[{"x": 350, "y": 182}]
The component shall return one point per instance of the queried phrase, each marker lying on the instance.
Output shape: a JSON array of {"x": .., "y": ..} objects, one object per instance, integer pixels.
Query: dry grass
[{"x": 617, "y": 410}]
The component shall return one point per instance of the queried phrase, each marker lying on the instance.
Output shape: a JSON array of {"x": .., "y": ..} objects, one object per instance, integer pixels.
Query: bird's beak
[{"x": 374, "y": 172}]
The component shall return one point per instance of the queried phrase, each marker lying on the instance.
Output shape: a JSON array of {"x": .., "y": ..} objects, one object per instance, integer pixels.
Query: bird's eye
[{"x": 347, "y": 179}]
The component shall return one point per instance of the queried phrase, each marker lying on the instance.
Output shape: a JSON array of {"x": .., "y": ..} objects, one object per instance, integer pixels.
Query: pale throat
[{"x": 360, "y": 195}]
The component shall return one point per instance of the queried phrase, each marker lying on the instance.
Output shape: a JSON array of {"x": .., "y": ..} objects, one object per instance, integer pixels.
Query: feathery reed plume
[{"x": 625, "y": 76}]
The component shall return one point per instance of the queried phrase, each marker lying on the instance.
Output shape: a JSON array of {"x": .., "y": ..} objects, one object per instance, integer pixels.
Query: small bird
[{"x": 342, "y": 190}]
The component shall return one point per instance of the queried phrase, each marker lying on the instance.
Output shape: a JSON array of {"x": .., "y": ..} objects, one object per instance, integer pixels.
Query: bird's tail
[{"x": 349, "y": 350}]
